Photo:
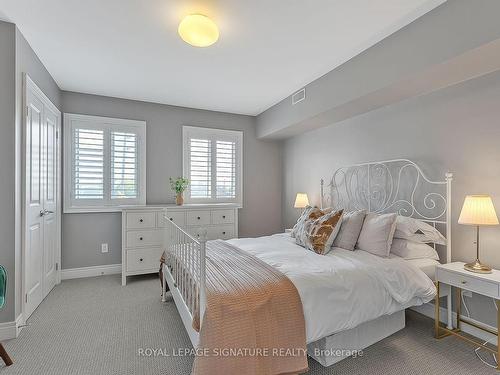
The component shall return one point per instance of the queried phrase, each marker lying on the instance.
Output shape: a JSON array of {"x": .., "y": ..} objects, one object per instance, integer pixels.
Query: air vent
[{"x": 299, "y": 96}]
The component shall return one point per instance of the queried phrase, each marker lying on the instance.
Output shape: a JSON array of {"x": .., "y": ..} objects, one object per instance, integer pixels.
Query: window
[
  {"x": 212, "y": 163},
  {"x": 104, "y": 163}
]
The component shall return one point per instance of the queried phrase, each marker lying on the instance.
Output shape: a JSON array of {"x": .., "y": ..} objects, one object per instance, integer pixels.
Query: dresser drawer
[
  {"x": 222, "y": 216},
  {"x": 195, "y": 231},
  {"x": 178, "y": 217},
  {"x": 198, "y": 217},
  {"x": 219, "y": 232},
  {"x": 468, "y": 283},
  {"x": 143, "y": 259},
  {"x": 139, "y": 238},
  {"x": 138, "y": 220},
  {"x": 223, "y": 232}
]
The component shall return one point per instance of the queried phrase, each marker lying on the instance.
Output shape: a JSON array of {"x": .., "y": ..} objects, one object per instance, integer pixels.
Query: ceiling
[{"x": 266, "y": 51}]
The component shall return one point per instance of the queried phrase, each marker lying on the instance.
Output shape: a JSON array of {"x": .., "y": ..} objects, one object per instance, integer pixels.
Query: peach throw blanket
[{"x": 253, "y": 323}]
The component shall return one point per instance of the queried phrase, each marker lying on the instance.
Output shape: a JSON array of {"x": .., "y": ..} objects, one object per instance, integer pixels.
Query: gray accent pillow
[
  {"x": 377, "y": 234},
  {"x": 352, "y": 222}
]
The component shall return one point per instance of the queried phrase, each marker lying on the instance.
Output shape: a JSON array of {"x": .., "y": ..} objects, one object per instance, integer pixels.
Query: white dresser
[{"x": 143, "y": 231}]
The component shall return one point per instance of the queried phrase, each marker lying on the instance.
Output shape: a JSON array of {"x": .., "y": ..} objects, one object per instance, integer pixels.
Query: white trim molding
[
  {"x": 11, "y": 330},
  {"x": 77, "y": 273}
]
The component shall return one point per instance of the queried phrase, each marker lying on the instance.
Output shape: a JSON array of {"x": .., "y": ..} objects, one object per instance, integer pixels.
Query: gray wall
[
  {"x": 455, "y": 129},
  {"x": 382, "y": 72},
  {"x": 261, "y": 212},
  {"x": 7, "y": 162}
]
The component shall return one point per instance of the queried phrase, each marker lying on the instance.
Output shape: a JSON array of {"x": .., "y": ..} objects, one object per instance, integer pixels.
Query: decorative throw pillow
[
  {"x": 377, "y": 234},
  {"x": 408, "y": 228},
  {"x": 413, "y": 250},
  {"x": 352, "y": 222},
  {"x": 302, "y": 228},
  {"x": 300, "y": 221},
  {"x": 308, "y": 213},
  {"x": 319, "y": 233}
]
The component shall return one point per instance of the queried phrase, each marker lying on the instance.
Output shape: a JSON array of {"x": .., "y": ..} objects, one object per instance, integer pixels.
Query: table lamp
[
  {"x": 478, "y": 210},
  {"x": 301, "y": 201}
]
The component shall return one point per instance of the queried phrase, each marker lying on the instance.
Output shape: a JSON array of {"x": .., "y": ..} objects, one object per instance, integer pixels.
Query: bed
[{"x": 350, "y": 299}]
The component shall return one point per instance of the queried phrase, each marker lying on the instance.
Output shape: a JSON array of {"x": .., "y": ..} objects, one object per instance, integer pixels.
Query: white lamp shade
[
  {"x": 301, "y": 200},
  {"x": 478, "y": 210}
]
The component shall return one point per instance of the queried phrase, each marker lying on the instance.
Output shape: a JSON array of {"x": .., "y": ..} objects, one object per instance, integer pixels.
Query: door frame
[{"x": 28, "y": 83}]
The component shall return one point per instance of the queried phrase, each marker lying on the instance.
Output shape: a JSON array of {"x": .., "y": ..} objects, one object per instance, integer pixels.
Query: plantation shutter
[
  {"x": 200, "y": 167},
  {"x": 225, "y": 179},
  {"x": 124, "y": 165},
  {"x": 104, "y": 163},
  {"x": 212, "y": 163},
  {"x": 88, "y": 164}
]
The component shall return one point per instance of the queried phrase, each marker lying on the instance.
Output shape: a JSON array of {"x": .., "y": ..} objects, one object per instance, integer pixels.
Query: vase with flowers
[{"x": 178, "y": 185}]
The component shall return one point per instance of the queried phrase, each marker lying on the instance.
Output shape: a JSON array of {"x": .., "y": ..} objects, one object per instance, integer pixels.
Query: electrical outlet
[
  {"x": 467, "y": 293},
  {"x": 104, "y": 248}
]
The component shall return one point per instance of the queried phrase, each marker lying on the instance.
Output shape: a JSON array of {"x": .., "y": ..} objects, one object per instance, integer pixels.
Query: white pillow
[
  {"x": 413, "y": 250},
  {"x": 377, "y": 233},
  {"x": 415, "y": 230},
  {"x": 352, "y": 222}
]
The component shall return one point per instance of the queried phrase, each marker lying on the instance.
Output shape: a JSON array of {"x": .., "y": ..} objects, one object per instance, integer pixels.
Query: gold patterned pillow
[
  {"x": 308, "y": 213},
  {"x": 319, "y": 233}
]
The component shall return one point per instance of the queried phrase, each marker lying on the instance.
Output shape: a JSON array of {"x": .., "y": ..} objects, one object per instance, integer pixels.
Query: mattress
[
  {"x": 427, "y": 266},
  {"x": 342, "y": 289}
]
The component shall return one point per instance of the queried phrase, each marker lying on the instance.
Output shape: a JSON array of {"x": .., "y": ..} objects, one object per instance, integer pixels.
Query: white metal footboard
[{"x": 184, "y": 272}]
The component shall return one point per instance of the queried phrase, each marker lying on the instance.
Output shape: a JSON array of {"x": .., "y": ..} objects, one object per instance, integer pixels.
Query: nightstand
[{"x": 454, "y": 275}]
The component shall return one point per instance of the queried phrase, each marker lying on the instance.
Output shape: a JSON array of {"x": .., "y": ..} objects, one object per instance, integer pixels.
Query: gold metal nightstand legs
[{"x": 441, "y": 331}]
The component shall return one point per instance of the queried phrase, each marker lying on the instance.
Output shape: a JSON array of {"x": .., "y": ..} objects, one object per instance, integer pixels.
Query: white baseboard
[
  {"x": 428, "y": 310},
  {"x": 10, "y": 330},
  {"x": 76, "y": 273},
  {"x": 19, "y": 324}
]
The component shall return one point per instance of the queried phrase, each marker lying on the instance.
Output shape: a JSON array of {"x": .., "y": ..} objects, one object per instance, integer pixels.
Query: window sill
[
  {"x": 210, "y": 205},
  {"x": 88, "y": 210}
]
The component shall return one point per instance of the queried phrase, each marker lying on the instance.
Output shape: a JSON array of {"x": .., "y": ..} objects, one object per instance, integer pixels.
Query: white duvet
[{"x": 344, "y": 288}]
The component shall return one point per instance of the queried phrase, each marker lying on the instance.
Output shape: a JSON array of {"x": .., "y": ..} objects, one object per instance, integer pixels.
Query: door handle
[{"x": 45, "y": 212}]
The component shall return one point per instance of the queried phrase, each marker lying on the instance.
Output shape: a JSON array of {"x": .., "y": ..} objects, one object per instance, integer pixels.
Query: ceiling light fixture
[{"x": 198, "y": 30}]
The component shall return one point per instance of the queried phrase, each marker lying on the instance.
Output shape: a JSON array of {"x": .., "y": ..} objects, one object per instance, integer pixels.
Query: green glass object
[{"x": 3, "y": 285}]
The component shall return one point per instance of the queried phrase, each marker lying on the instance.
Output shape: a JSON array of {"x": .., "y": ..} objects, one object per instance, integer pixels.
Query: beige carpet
[{"x": 96, "y": 326}]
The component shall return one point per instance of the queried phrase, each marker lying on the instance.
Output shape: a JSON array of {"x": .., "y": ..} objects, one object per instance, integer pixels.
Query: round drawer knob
[
  {"x": 223, "y": 216},
  {"x": 140, "y": 238},
  {"x": 464, "y": 282},
  {"x": 223, "y": 232},
  {"x": 141, "y": 260},
  {"x": 171, "y": 219},
  {"x": 198, "y": 218},
  {"x": 140, "y": 220}
]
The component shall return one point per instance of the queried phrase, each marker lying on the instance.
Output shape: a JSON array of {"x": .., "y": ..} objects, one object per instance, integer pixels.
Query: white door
[
  {"x": 41, "y": 238},
  {"x": 34, "y": 241},
  {"x": 50, "y": 218}
]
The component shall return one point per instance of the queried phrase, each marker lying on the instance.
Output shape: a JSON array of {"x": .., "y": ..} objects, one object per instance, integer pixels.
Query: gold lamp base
[{"x": 477, "y": 267}]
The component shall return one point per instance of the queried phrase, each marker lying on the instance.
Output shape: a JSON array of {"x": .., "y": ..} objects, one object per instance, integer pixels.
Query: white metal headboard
[{"x": 398, "y": 186}]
